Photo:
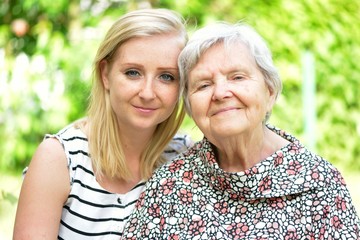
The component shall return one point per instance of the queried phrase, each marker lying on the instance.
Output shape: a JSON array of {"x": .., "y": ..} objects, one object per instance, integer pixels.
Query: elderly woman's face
[{"x": 227, "y": 92}]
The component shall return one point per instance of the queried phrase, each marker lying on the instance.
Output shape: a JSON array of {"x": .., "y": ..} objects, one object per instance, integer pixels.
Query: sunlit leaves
[{"x": 45, "y": 71}]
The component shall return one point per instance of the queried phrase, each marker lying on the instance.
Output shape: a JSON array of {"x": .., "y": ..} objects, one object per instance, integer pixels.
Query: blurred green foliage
[
  {"x": 47, "y": 47},
  {"x": 9, "y": 197}
]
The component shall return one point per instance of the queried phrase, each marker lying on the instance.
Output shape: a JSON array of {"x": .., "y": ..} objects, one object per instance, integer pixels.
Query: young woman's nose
[{"x": 147, "y": 89}]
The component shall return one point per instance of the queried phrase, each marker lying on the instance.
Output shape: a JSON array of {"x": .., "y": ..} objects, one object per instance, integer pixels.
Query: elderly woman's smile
[{"x": 224, "y": 110}]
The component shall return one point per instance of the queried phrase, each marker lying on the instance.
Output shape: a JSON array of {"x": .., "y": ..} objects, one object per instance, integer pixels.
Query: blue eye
[
  {"x": 167, "y": 77},
  {"x": 132, "y": 73}
]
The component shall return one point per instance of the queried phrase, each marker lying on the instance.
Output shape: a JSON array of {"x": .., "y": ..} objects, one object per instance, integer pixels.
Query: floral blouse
[{"x": 292, "y": 194}]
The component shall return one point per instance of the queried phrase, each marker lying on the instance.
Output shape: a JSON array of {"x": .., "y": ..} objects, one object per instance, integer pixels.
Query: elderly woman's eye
[
  {"x": 238, "y": 77},
  {"x": 203, "y": 86}
]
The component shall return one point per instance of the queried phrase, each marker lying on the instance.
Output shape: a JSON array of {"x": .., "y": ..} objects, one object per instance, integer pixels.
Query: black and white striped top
[{"x": 91, "y": 212}]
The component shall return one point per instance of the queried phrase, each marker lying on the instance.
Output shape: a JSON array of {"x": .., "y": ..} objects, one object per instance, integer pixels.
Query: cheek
[
  {"x": 260, "y": 102},
  {"x": 115, "y": 99},
  {"x": 170, "y": 95},
  {"x": 252, "y": 96},
  {"x": 197, "y": 107}
]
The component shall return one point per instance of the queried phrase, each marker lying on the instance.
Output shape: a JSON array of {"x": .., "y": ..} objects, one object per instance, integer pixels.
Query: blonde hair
[{"x": 103, "y": 133}]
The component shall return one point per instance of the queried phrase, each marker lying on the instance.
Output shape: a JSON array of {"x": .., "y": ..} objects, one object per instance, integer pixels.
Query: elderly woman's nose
[{"x": 221, "y": 90}]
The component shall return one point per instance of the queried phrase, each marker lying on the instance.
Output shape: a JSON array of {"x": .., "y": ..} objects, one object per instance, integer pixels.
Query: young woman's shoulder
[{"x": 46, "y": 182}]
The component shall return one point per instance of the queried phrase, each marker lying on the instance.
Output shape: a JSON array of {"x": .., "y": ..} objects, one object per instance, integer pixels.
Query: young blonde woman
[{"x": 83, "y": 182}]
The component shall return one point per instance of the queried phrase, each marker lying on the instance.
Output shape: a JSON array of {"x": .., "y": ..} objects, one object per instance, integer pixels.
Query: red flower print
[
  {"x": 279, "y": 159},
  {"x": 183, "y": 223},
  {"x": 196, "y": 227},
  {"x": 167, "y": 186},
  {"x": 294, "y": 149},
  {"x": 162, "y": 223},
  {"x": 277, "y": 203},
  {"x": 322, "y": 232},
  {"x": 340, "y": 203},
  {"x": 140, "y": 203},
  {"x": 187, "y": 176},
  {"x": 336, "y": 222},
  {"x": 294, "y": 167},
  {"x": 291, "y": 235},
  {"x": 173, "y": 236},
  {"x": 337, "y": 177},
  {"x": 185, "y": 196},
  {"x": 210, "y": 157},
  {"x": 238, "y": 230},
  {"x": 251, "y": 171},
  {"x": 176, "y": 165},
  {"x": 240, "y": 209},
  {"x": 222, "y": 207},
  {"x": 315, "y": 175},
  {"x": 224, "y": 183},
  {"x": 326, "y": 210},
  {"x": 312, "y": 236},
  {"x": 265, "y": 184},
  {"x": 234, "y": 196},
  {"x": 154, "y": 210}
]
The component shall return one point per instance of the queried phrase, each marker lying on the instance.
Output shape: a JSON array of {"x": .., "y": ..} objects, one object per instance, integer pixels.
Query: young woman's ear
[{"x": 104, "y": 70}]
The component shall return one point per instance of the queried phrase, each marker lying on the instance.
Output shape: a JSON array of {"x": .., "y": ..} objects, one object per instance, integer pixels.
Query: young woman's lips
[{"x": 145, "y": 109}]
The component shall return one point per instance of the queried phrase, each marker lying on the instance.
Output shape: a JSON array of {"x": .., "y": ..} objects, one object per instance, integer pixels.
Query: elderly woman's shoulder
[
  {"x": 333, "y": 174},
  {"x": 321, "y": 171},
  {"x": 307, "y": 159}
]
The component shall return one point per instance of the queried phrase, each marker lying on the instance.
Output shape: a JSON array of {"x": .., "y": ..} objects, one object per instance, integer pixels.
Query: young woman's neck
[{"x": 134, "y": 143}]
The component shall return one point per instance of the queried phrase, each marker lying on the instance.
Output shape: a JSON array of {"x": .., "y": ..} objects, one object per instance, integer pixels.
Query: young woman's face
[
  {"x": 227, "y": 92},
  {"x": 143, "y": 81}
]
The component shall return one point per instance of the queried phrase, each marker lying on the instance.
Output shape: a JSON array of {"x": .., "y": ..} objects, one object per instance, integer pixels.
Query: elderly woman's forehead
[{"x": 226, "y": 48}]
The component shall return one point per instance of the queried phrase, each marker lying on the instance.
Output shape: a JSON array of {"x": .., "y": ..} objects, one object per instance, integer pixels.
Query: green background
[{"x": 47, "y": 47}]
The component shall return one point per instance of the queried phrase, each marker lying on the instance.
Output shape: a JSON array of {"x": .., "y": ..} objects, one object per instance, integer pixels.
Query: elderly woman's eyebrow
[{"x": 198, "y": 75}]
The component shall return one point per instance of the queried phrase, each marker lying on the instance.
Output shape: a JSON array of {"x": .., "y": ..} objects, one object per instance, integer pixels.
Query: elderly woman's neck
[{"x": 242, "y": 153}]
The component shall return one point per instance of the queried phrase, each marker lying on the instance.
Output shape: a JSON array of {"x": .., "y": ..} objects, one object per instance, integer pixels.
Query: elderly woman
[{"x": 245, "y": 179}]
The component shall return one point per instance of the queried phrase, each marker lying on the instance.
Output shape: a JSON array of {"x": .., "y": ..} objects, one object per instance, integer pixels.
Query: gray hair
[{"x": 226, "y": 33}]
